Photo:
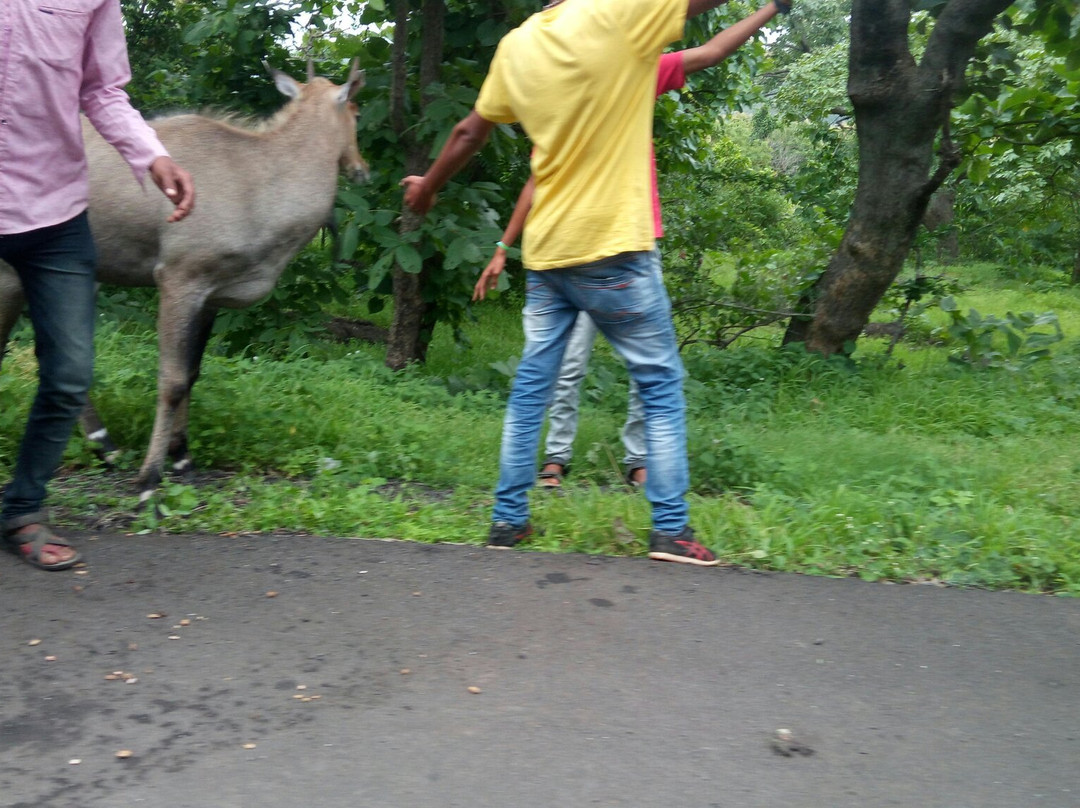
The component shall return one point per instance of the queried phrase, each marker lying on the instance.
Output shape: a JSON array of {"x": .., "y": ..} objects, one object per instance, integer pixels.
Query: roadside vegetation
[{"x": 908, "y": 467}]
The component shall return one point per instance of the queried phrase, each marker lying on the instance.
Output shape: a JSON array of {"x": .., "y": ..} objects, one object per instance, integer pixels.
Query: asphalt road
[{"x": 311, "y": 672}]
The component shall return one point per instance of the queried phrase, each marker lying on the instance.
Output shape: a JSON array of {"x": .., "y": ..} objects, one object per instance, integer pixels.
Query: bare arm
[
  {"x": 727, "y": 41},
  {"x": 490, "y": 276},
  {"x": 465, "y": 140}
]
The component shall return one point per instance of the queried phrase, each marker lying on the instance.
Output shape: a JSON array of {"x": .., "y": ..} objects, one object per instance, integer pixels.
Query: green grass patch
[{"x": 907, "y": 468}]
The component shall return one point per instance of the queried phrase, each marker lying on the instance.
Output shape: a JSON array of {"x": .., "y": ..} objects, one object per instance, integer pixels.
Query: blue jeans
[
  {"x": 56, "y": 268},
  {"x": 563, "y": 413},
  {"x": 626, "y": 298}
]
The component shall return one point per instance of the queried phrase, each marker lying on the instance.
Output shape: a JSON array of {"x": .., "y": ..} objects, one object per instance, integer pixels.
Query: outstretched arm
[
  {"x": 728, "y": 41},
  {"x": 490, "y": 276},
  {"x": 465, "y": 140}
]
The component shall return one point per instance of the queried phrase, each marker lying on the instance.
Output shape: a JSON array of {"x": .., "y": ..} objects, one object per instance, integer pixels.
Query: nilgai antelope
[{"x": 262, "y": 194}]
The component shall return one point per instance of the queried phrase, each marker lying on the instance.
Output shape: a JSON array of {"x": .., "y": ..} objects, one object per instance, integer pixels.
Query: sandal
[
  {"x": 631, "y": 479},
  {"x": 37, "y": 539},
  {"x": 551, "y": 475}
]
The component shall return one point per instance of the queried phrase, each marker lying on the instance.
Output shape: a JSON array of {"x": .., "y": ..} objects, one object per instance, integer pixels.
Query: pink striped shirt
[{"x": 58, "y": 57}]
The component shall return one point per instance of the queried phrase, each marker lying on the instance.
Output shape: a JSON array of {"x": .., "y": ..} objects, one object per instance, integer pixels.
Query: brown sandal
[
  {"x": 38, "y": 538},
  {"x": 552, "y": 479}
]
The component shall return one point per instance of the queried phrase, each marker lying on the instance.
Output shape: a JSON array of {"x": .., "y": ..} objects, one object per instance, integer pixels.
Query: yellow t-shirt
[{"x": 581, "y": 79}]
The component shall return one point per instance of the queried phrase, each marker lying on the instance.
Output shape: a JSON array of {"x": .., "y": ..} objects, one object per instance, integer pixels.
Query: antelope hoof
[
  {"x": 184, "y": 468},
  {"x": 145, "y": 496}
]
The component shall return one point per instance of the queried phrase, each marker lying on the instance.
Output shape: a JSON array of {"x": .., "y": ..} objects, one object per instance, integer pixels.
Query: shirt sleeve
[
  {"x": 106, "y": 71},
  {"x": 493, "y": 103},
  {"x": 671, "y": 74}
]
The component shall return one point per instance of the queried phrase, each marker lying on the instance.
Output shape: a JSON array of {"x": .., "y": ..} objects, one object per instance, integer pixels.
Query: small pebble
[
  {"x": 124, "y": 754},
  {"x": 34, "y": 642},
  {"x": 474, "y": 689}
]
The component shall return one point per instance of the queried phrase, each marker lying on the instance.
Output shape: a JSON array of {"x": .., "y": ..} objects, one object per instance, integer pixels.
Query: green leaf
[
  {"x": 455, "y": 252},
  {"x": 408, "y": 258},
  {"x": 379, "y": 270},
  {"x": 348, "y": 240}
]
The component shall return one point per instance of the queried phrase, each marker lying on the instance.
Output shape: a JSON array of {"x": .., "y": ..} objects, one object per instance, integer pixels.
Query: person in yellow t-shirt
[
  {"x": 562, "y": 413},
  {"x": 580, "y": 78}
]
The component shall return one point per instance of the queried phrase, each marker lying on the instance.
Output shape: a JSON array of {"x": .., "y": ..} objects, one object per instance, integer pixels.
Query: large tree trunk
[
  {"x": 901, "y": 108},
  {"x": 411, "y": 327}
]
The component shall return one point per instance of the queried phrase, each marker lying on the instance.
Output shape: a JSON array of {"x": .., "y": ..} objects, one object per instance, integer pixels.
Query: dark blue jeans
[{"x": 56, "y": 267}]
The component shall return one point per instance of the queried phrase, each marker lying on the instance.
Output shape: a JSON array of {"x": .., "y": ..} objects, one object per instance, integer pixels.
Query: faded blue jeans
[
  {"x": 626, "y": 298},
  {"x": 56, "y": 268},
  {"x": 563, "y": 412}
]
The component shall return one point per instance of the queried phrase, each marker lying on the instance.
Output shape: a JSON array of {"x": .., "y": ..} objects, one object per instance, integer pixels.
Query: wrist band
[
  {"x": 783, "y": 6},
  {"x": 500, "y": 244}
]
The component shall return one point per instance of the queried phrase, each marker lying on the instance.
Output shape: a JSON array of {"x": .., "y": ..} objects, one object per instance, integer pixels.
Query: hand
[
  {"x": 176, "y": 184},
  {"x": 489, "y": 278},
  {"x": 417, "y": 196}
]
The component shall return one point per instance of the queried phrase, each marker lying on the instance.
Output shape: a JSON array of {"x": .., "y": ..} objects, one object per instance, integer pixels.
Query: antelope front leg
[
  {"x": 11, "y": 303},
  {"x": 179, "y": 451},
  {"x": 98, "y": 434},
  {"x": 178, "y": 315}
]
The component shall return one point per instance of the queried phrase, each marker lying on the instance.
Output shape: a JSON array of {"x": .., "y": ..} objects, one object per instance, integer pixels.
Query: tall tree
[
  {"x": 902, "y": 108},
  {"x": 425, "y": 62}
]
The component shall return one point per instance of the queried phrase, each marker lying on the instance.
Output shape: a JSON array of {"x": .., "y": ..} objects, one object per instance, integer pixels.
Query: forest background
[{"x": 873, "y": 251}]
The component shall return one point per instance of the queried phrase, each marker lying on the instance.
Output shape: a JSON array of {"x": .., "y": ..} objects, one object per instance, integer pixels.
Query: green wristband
[{"x": 500, "y": 244}]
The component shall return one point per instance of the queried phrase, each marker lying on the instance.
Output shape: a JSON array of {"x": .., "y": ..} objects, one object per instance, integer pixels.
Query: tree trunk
[
  {"x": 410, "y": 328},
  {"x": 901, "y": 107}
]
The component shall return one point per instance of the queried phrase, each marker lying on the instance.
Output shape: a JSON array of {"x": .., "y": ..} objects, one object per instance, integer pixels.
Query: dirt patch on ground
[{"x": 108, "y": 499}]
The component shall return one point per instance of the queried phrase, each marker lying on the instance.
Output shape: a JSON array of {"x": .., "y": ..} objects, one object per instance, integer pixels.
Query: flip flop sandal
[
  {"x": 37, "y": 539},
  {"x": 555, "y": 476}
]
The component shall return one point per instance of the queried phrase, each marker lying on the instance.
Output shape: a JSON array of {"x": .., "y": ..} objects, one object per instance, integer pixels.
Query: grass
[{"x": 907, "y": 469}]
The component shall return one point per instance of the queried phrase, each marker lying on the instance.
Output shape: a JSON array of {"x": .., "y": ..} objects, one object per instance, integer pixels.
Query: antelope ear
[
  {"x": 285, "y": 83},
  {"x": 353, "y": 84}
]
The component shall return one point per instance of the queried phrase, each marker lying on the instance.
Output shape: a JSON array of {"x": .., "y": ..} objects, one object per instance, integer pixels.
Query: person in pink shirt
[
  {"x": 563, "y": 412},
  {"x": 59, "y": 58}
]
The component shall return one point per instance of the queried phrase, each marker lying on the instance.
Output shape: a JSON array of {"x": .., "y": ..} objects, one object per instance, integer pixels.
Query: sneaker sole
[{"x": 657, "y": 555}]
